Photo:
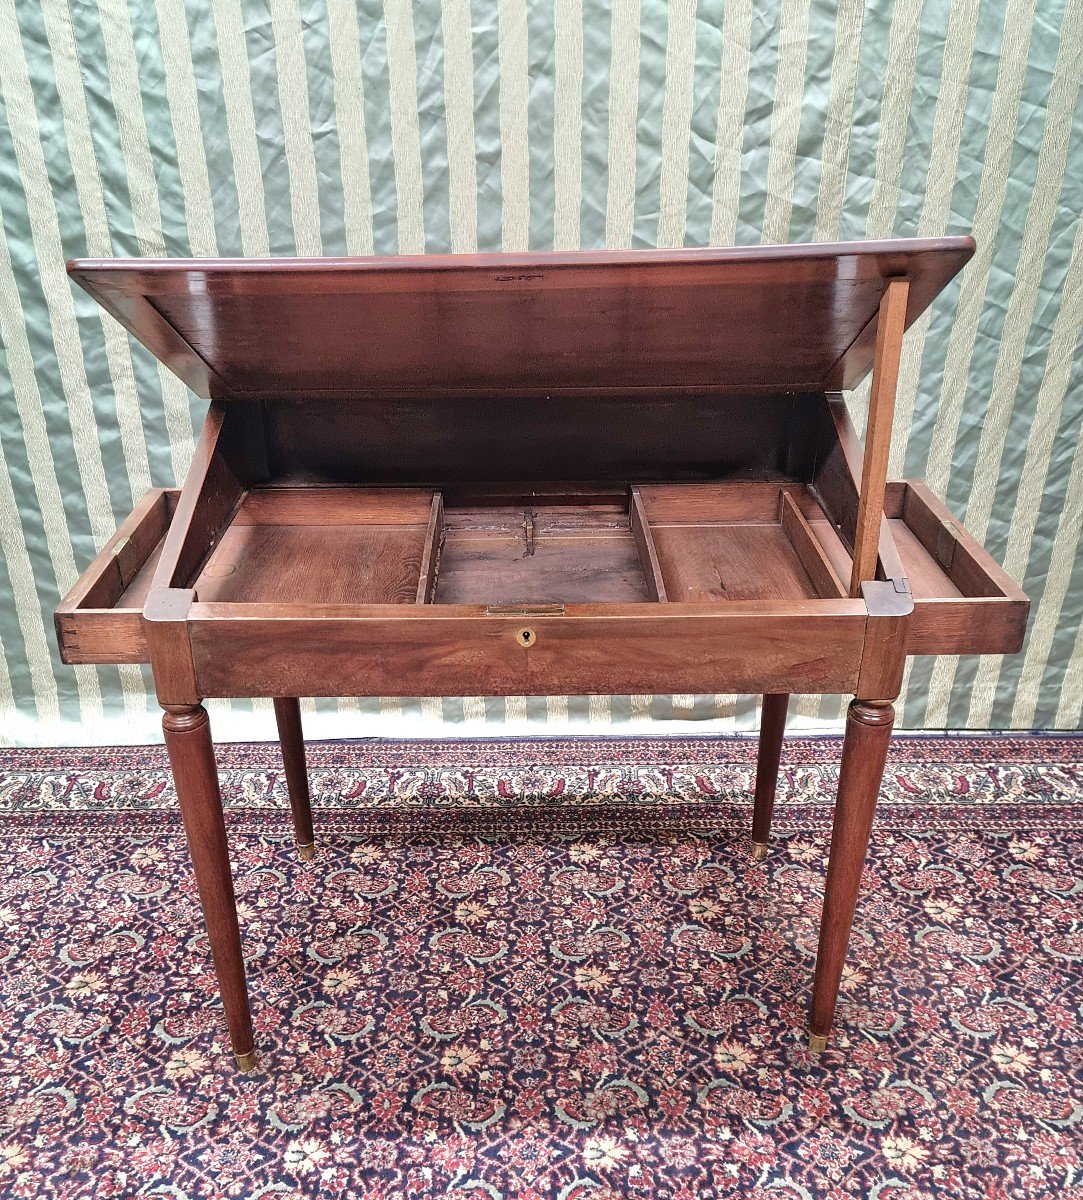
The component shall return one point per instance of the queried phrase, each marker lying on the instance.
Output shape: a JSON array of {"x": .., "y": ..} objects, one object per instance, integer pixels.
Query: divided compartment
[
  {"x": 324, "y": 546},
  {"x": 641, "y": 544},
  {"x": 499, "y": 546},
  {"x": 544, "y": 546},
  {"x": 740, "y": 541},
  {"x": 491, "y": 546}
]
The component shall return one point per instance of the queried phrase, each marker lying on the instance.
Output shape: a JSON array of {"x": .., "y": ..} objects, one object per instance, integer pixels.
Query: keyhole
[{"x": 526, "y": 637}]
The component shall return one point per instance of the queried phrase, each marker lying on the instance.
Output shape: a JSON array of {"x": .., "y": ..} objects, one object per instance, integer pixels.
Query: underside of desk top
[{"x": 750, "y": 321}]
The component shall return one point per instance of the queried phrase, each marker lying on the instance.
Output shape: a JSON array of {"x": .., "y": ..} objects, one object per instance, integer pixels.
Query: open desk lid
[{"x": 766, "y": 319}]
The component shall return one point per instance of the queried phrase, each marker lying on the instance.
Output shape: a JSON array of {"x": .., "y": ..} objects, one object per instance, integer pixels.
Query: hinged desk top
[{"x": 596, "y": 472}]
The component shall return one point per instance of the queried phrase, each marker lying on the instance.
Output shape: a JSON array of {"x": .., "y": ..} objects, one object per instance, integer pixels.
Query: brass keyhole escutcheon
[{"x": 526, "y": 637}]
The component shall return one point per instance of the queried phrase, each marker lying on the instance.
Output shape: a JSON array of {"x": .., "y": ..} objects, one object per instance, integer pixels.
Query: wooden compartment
[
  {"x": 964, "y": 601},
  {"x": 739, "y": 541},
  {"x": 693, "y": 543},
  {"x": 321, "y": 546},
  {"x": 563, "y": 550},
  {"x": 101, "y": 619}
]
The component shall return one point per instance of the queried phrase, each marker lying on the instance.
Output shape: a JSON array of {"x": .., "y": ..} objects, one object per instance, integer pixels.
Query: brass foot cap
[
  {"x": 817, "y": 1042},
  {"x": 246, "y": 1063},
  {"x": 759, "y": 850},
  {"x": 307, "y": 852}
]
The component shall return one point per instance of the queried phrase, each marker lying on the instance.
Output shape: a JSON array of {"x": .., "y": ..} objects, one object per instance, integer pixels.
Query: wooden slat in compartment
[
  {"x": 315, "y": 564},
  {"x": 335, "y": 506},
  {"x": 100, "y": 620},
  {"x": 806, "y": 544},
  {"x": 430, "y": 551},
  {"x": 707, "y": 503},
  {"x": 648, "y": 552}
]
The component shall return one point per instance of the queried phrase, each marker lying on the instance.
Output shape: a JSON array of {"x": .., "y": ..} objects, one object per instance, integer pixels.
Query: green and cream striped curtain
[{"x": 256, "y": 127}]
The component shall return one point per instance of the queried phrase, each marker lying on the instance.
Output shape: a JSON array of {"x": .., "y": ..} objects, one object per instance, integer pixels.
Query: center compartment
[{"x": 547, "y": 553}]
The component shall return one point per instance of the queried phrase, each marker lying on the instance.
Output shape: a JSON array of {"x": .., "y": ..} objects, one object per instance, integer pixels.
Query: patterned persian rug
[{"x": 546, "y": 968}]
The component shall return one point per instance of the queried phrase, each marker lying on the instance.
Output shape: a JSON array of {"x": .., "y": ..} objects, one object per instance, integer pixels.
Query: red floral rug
[{"x": 546, "y": 968}]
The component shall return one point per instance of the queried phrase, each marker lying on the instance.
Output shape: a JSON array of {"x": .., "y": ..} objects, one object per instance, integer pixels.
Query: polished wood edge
[
  {"x": 648, "y": 553},
  {"x": 857, "y": 360},
  {"x": 93, "y": 269},
  {"x": 209, "y": 612},
  {"x": 147, "y": 325}
]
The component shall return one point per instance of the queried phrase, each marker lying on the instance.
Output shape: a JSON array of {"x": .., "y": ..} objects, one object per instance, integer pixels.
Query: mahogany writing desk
[{"x": 535, "y": 474}]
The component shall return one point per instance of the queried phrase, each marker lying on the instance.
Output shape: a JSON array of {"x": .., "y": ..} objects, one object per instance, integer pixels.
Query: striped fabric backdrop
[{"x": 256, "y": 127}]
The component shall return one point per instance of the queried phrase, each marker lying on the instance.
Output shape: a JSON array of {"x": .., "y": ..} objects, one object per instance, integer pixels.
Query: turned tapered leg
[
  {"x": 191, "y": 755},
  {"x": 772, "y": 728},
  {"x": 288, "y": 716},
  {"x": 868, "y": 732}
]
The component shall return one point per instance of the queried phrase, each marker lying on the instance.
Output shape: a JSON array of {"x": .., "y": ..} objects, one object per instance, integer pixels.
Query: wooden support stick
[{"x": 890, "y": 327}]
